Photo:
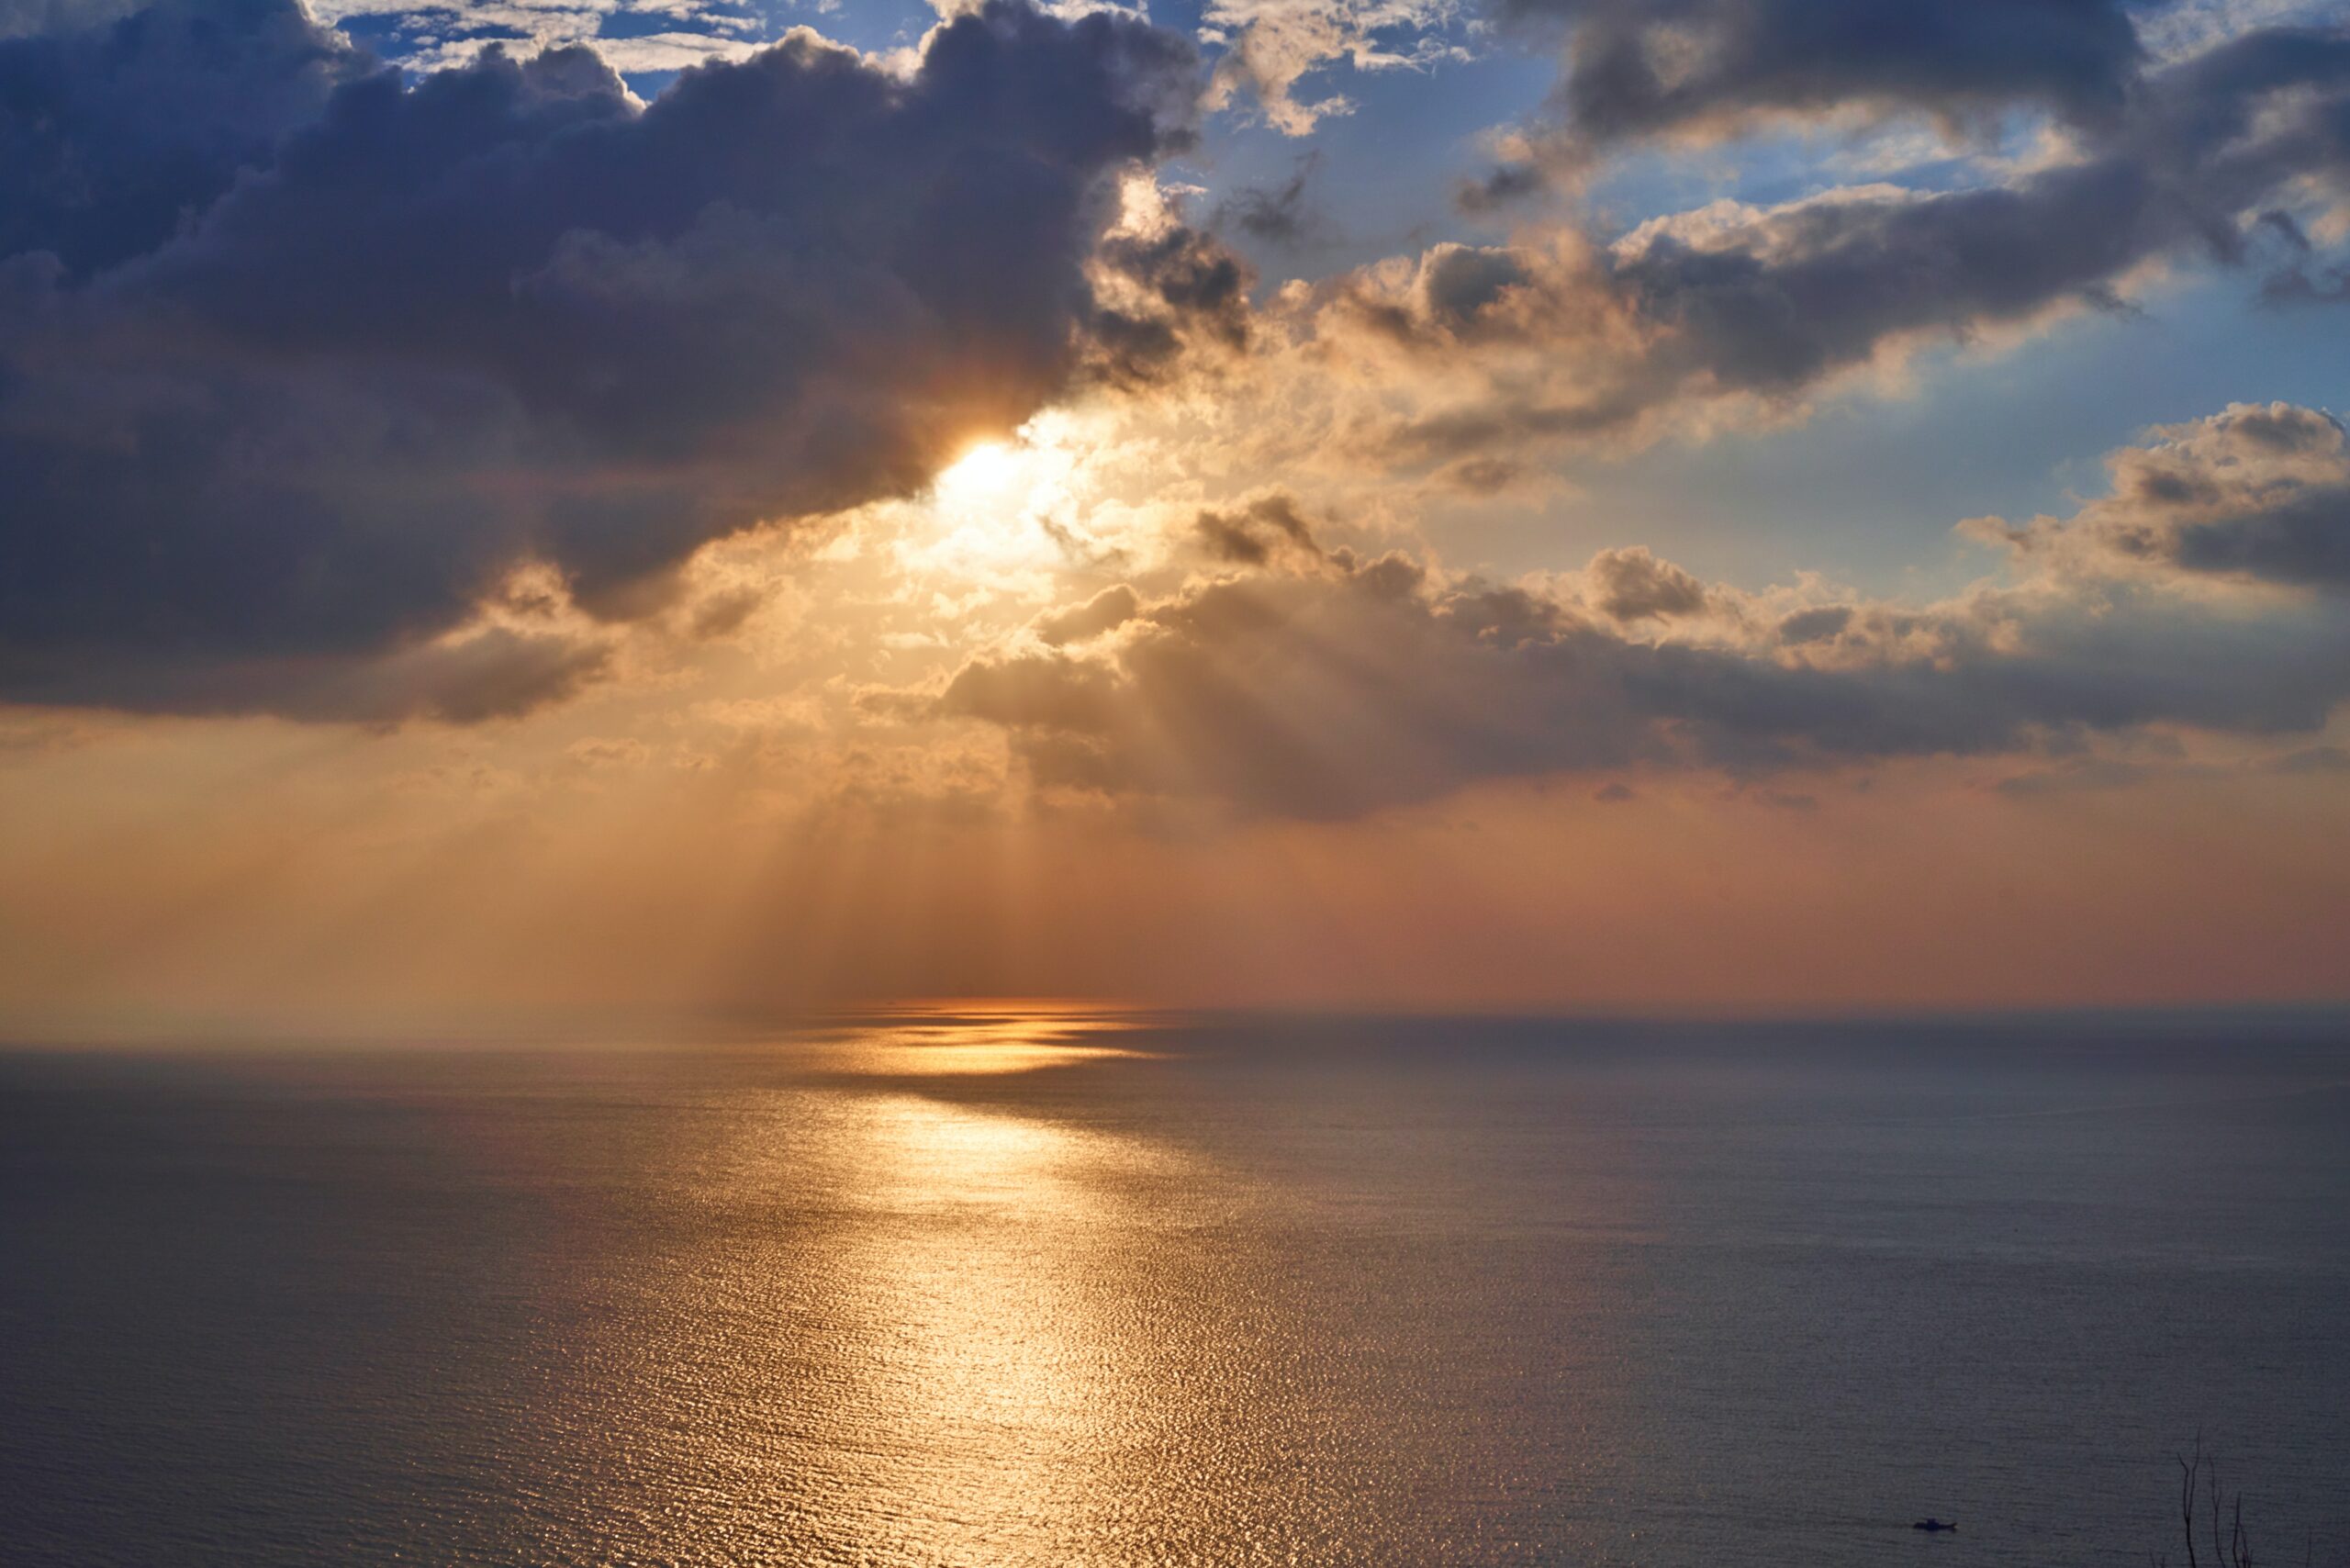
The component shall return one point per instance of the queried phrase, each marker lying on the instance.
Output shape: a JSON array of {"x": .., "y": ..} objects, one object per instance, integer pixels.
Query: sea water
[{"x": 1019, "y": 1286}]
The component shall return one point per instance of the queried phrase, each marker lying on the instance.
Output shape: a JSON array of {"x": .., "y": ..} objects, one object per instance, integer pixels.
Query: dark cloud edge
[
  {"x": 300, "y": 360},
  {"x": 2199, "y": 161}
]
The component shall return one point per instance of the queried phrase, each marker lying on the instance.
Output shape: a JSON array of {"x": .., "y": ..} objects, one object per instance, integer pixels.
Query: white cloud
[{"x": 1270, "y": 46}]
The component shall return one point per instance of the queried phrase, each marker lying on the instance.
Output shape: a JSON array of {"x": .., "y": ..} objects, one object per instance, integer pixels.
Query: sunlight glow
[
  {"x": 987, "y": 471},
  {"x": 994, "y": 510}
]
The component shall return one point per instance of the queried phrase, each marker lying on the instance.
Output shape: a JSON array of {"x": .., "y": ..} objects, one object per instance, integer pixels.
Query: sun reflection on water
[
  {"x": 945, "y": 1039},
  {"x": 918, "y": 1308},
  {"x": 1002, "y": 1391}
]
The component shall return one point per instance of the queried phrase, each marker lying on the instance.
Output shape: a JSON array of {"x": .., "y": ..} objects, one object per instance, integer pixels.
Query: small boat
[{"x": 1931, "y": 1525}]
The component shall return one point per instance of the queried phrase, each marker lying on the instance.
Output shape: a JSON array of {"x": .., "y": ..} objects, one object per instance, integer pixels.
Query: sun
[
  {"x": 1009, "y": 506},
  {"x": 985, "y": 509},
  {"x": 987, "y": 471}
]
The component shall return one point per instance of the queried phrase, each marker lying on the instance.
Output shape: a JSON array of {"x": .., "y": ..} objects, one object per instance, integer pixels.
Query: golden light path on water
[
  {"x": 948, "y": 1294},
  {"x": 994, "y": 1390},
  {"x": 1066, "y": 1375}
]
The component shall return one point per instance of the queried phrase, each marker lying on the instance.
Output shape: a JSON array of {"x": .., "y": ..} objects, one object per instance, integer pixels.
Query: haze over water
[{"x": 1046, "y": 1288}]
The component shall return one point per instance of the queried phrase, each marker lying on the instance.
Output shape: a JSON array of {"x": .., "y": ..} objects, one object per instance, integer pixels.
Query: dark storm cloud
[
  {"x": 2257, "y": 494},
  {"x": 2305, "y": 540},
  {"x": 310, "y": 415},
  {"x": 1638, "y": 68},
  {"x": 1179, "y": 288},
  {"x": 115, "y": 129},
  {"x": 1768, "y": 302}
]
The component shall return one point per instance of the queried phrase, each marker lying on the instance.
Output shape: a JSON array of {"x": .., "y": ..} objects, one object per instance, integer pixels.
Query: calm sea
[{"x": 1054, "y": 1289}]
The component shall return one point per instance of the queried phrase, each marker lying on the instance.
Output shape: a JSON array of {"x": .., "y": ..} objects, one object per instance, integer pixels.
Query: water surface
[{"x": 1063, "y": 1289}]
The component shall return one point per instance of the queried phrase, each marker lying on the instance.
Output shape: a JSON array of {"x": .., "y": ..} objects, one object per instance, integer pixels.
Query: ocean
[{"x": 1056, "y": 1286}]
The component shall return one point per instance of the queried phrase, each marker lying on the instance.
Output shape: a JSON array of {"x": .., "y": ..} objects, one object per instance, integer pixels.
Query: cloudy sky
[{"x": 516, "y": 506}]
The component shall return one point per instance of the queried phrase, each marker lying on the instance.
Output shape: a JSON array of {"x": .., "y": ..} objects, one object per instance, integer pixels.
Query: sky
[{"x": 568, "y": 508}]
